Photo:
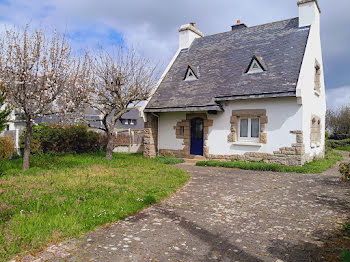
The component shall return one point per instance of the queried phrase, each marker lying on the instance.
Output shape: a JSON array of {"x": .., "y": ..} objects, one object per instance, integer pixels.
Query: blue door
[{"x": 197, "y": 136}]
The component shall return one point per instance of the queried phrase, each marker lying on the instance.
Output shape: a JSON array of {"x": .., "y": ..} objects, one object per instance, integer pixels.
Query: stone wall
[
  {"x": 287, "y": 156},
  {"x": 252, "y": 113},
  {"x": 151, "y": 136}
]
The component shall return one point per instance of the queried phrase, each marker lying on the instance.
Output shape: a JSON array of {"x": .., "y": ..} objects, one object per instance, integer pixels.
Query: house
[
  {"x": 130, "y": 120},
  {"x": 252, "y": 93}
]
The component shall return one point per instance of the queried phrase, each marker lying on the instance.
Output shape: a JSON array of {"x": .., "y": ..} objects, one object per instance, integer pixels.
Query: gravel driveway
[{"x": 226, "y": 215}]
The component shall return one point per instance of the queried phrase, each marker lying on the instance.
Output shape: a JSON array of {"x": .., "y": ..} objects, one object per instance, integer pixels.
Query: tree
[
  {"x": 41, "y": 76},
  {"x": 121, "y": 80},
  {"x": 338, "y": 122},
  {"x": 5, "y": 110}
]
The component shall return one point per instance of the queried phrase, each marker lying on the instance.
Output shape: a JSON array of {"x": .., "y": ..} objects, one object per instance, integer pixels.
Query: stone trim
[
  {"x": 151, "y": 136},
  {"x": 315, "y": 130},
  {"x": 186, "y": 136},
  {"x": 287, "y": 156},
  {"x": 236, "y": 114},
  {"x": 317, "y": 80}
]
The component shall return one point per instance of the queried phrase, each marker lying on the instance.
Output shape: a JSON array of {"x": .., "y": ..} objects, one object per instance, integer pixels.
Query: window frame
[{"x": 249, "y": 138}]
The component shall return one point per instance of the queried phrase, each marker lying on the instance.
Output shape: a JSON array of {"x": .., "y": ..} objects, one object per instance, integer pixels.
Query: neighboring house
[
  {"x": 130, "y": 120},
  {"x": 253, "y": 93}
]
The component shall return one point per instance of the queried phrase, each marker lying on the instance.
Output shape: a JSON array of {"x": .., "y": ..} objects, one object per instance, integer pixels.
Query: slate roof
[{"x": 221, "y": 61}]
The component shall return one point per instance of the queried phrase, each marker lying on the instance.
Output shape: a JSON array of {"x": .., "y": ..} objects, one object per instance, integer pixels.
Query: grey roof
[{"x": 222, "y": 60}]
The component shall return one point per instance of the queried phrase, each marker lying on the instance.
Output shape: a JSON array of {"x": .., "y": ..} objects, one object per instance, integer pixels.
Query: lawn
[
  {"x": 316, "y": 166},
  {"x": 64, "y": 196}
]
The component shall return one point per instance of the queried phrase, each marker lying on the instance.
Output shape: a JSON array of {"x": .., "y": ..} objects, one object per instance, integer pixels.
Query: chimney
[
  {"x": 238, "y": 25},
  {"x": 188, "y": 33},
  {"x": 309, "y": 12}
]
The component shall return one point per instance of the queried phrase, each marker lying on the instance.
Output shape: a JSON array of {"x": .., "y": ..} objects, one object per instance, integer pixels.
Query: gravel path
[{"x": 224, "y": 215}]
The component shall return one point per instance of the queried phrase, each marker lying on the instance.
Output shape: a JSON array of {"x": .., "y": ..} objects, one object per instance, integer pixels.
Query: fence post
[{"x": 129, "y": 140}]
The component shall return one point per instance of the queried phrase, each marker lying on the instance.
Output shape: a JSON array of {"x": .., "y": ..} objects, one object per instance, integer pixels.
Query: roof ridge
[{"x": 249, "y": 27}]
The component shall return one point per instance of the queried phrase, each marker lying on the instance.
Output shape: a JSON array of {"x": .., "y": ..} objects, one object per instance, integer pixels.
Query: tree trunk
[
  {"x": 27, "y": 142},
  {"x": 109, "y": 149}
]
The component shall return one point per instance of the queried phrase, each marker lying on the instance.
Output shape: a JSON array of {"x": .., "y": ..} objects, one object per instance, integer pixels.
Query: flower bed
[{"x": 344, "y": 169}]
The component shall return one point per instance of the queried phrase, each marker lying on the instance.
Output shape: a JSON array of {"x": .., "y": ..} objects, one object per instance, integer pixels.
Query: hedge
[
  {"x": 6, "y": 147},
  {"x": 56, "y": 139},
  {"x": 338, "y": 143}
]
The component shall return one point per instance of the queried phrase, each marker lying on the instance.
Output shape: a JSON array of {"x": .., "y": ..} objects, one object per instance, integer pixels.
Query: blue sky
[{"x": 152, "y": 26}]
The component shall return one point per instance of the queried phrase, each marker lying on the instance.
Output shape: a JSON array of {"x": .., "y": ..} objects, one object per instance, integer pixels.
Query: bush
[
  {"x": 338, "y": 143},
  {"x": 344, "y": 169},
  {"x": 345, "y": 256},
  {"x": 7, "y": 147},
  {"x": 56, "y": 139}
]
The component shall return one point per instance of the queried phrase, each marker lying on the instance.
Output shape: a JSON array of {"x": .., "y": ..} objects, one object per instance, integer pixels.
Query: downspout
[{"x": 157, "y": 116}]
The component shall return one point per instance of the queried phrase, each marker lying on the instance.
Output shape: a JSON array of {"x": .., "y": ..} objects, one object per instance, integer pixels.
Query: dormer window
[
  {"x": 256, "y": 65},
  {"x": 191, "y": 74}
]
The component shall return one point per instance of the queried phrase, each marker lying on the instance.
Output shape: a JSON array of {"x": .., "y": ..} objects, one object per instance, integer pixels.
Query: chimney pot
[
  {"x": 193, "y": 24},
  {"x": 238, "y": 21}
]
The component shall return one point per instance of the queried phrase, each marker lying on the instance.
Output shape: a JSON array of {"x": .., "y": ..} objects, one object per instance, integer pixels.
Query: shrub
[
  {"x": 6, "y": 147},
  {"x": 56, "y": 139},
  {"x": 338, "y": 143},
  {"x": 345, "y": 256},
  {"x": 344, "y": 169}
]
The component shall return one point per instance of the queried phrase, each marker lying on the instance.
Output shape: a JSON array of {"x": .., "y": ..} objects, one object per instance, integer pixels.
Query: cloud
[
  {"x": 152, "y": 26},
  {"x": 338, "y": 97}
]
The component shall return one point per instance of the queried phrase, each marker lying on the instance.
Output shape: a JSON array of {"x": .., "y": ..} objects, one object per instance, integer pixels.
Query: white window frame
[{"x": 249, "y": 138}]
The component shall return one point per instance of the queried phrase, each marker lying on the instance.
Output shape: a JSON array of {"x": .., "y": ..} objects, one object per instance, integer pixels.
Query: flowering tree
[
  {"x": 121, "y": 80},
  {"x": 41, "y": 76},
  {"x": 5, "y": 110}
]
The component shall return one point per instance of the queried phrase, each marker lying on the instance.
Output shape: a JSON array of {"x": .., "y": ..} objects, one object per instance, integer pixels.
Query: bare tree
[
  {"x": 338, "y": 122},
  {"x": 121, "y": 80},
  {"x": 41, "y": 76}
]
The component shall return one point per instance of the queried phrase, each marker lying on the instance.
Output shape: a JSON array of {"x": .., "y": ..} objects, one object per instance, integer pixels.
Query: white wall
[
  {"x": 313, "y": 104},
  {"x": 166, "y": 132},
  {"x": 284, "y": 115}
]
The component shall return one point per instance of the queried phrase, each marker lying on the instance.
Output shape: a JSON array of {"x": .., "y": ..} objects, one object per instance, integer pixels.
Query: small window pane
[
  {"x": 255, "y": 127},
  {"x": 244, "y": 128}
]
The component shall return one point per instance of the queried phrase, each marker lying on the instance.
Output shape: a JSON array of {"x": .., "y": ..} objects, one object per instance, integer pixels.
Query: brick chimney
[
  {"x": 309, "y": 12},
  {"x": 188, "y": 33}
]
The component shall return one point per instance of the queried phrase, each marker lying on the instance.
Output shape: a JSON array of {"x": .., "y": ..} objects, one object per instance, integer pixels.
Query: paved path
[{"x": 226, "y": 215}]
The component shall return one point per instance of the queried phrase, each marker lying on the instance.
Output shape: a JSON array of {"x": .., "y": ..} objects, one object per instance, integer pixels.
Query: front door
[{"x": 197, "y": 136}]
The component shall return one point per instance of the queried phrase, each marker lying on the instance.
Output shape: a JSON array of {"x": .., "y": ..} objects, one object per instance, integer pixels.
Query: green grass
[
  {"x": 344, "y": 148},
  {"x": 168, "y": 160},
  {"x": 64, "y": 196},
  {"x": 317, "y": 166}
]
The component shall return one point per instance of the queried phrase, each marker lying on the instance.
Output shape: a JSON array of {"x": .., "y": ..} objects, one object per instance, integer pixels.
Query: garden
[{"x": 67, "y": 192}]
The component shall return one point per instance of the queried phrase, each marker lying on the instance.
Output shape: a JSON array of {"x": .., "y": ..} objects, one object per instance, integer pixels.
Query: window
[
  {"x": 317, "y": 87},
  {"x": 131, "y": 122},
  {"x": 190, "y": 74},
  {"x": 256, "y": 66},
  {"x": 249, "y": 129},
  {"x": 182, "y": 130}
]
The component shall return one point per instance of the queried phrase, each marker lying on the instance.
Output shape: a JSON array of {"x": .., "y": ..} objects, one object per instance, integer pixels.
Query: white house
[{"x": 253, "y": 93}]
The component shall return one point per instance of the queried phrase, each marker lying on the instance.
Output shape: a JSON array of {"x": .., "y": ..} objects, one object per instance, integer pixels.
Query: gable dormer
[
  {"x": 256, "y": 65},
  {"x": 191, "y": 74}
]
